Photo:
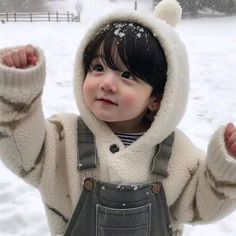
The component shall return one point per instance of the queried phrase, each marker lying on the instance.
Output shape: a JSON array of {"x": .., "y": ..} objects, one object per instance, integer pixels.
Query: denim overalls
[{"x": 106, "y": 209}]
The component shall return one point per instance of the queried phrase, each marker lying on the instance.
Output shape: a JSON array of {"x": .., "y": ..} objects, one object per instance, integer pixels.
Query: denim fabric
[{"x": 106, "y": 209}]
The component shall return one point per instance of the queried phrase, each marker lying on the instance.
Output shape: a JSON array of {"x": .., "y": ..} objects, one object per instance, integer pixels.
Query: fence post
[
  {"x": 24, "y": 16},
  {"x": 135, "y": 5}
]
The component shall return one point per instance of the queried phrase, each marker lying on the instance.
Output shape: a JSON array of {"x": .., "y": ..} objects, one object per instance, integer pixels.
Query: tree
[
  {"x": 226, "y": 6},
  {"x": 23, "y": 5},
  {"x": 78, "y": 7},
  {"x": 2, "y": 5},
  {"x": 192, "y": 6}
]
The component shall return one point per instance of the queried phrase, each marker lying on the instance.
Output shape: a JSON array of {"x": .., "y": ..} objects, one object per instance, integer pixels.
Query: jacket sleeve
[
  {"x": 22, "y": 124},
  {"x": 210, "y": 192}
]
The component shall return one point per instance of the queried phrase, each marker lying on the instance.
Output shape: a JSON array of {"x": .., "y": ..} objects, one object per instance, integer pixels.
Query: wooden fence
[
  {"x": 38, "y": 17},
  {"x": 43, "y": 16}
]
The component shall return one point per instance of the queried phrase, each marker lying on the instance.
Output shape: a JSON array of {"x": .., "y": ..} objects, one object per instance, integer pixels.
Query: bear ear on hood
[{"x": 169, "y": 11}]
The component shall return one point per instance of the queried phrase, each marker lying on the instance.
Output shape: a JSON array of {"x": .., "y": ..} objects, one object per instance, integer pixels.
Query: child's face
[{"x": 116, "y": 97}]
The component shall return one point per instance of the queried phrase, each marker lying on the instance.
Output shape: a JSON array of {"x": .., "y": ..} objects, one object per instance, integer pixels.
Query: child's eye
[
  {"x": 98, "y": 68},
  {"x": 127, "y": 75}
]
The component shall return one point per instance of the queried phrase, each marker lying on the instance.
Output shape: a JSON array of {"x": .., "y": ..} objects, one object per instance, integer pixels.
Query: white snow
[{"x": 211, "y": 43}]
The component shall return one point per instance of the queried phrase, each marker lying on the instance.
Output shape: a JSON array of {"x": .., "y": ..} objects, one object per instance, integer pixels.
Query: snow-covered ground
[{"x": 211, "y": 43}]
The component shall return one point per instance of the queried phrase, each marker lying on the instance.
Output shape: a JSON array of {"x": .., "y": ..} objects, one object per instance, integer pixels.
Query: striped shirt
[{"x": 128, "y": 138}]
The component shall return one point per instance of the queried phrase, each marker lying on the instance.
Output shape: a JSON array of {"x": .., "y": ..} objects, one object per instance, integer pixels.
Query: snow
[{"x": 211, "y": 44}]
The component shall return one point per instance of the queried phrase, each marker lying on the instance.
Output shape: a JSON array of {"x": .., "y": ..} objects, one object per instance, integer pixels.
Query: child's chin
[{"x": 104, "y": 118}]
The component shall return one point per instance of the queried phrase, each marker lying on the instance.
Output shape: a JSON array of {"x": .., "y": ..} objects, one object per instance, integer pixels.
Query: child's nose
[{"x": 109, "y": 83}]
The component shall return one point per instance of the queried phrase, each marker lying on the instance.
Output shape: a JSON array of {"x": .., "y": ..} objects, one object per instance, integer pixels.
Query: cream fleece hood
[{"x": 166, "y": 15}]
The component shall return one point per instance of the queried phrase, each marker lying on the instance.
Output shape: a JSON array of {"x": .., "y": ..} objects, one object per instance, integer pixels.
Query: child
[{"x": 132, "y": 172}]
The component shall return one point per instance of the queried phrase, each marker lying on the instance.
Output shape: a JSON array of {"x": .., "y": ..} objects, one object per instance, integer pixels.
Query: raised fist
[{"x": 20, "y": 58}]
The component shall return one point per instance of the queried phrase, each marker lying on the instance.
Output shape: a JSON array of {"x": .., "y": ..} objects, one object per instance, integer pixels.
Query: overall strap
[
  {"x": 161, "y": 159},
  {"x": 86, "y": 157}
]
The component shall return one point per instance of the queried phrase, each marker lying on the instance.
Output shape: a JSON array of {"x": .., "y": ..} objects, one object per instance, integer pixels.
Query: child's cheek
[
  {"x": 87, "y": 93},
  {"x": 88, "y": 88},
  {"x": 85, "y": 89},
  {"x": 130, "y": 99}
]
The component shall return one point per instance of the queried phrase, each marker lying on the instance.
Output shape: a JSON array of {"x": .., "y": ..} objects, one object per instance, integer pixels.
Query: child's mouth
[{"x": 107, "y": 101}]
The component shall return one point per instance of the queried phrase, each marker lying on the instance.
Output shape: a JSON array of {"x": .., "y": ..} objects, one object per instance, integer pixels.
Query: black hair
[{"x": 137, "y": 48}]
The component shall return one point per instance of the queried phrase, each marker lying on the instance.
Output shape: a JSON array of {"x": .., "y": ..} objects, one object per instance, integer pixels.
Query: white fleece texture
[{"x": 169, "y": 11}]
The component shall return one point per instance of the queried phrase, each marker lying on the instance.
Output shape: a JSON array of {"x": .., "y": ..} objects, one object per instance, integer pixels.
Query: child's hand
[
  {"x": 230, "y": 139},
  {"x": 20, "y": 58}
]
